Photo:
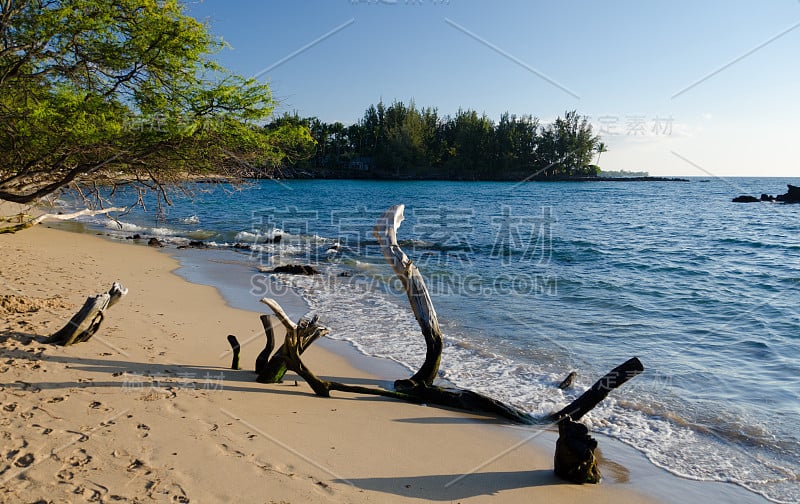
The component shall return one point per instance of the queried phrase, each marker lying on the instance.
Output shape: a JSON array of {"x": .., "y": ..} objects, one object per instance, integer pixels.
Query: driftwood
[
  {"x": 574, "y": 459},
  {"x": 263, "y": 357},
  {"x": 417, "y": 389},
  {"x": 37, "y": 220},
  {"x": 298, "y": 337},
  {"x": 422, "y": 306},
  {"x": 84, "y": 324},
  {"x": 575, "y": 449},
  {"x": 236, "y": 348},
  {"x": 599, "y": 390}
]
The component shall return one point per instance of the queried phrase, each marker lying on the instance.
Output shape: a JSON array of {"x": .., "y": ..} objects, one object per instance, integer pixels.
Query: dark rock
[
  {"x": 137, "y": 236},
  {"x": 345, "y": 274},
  {"x": 296, "y": 269},
  {"x": 791, "y": 196},
  {"x": 767, "y": 197},
  {"x": 277, "y": 239},
  {"x": 155, "y": 242},
  {"x": 242, "y": 246},
  {"x": 574, "y": 459},
  {"x": 745, "y": 199},
  {"x": 568, "y": 380},
  {"x": 194, "y": 244}
]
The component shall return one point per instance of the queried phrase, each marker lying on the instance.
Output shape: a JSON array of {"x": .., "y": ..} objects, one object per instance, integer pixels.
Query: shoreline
[
  {"x": 645, "y": 478},
  {"x": 599, "y": 178},
  {"x": 143, "y": 407},
  {"x": 622, "y": 464}
]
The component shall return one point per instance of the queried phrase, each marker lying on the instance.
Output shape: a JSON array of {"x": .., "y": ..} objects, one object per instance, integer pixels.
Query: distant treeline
[{"x": 402, "y": 141}]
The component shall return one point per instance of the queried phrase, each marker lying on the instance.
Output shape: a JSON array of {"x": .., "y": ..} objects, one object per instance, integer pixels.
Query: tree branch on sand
[
  {"x": 84, "y": 324},
  {"x": 574, "y": 460},
  {"x": 32, "y": 222}
]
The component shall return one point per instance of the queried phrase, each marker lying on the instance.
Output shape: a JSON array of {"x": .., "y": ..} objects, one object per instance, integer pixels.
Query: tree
[
  {"x": 601, "y": 148},
  {"x": 123, "y": 91},
  {"x": 471, "y": 148},
  {"x": 567, "y": 147}
]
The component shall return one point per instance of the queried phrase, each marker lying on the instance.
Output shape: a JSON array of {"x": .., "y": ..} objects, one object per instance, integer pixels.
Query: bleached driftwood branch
[
  {"x": 385, "y": 232},
  {"x": 73, "y": 215},
  {"x": 84, "y": 324}
]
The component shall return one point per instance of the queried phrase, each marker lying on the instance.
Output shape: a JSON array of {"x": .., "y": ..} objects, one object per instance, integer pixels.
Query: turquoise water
[{"x": 534, "y": 280}]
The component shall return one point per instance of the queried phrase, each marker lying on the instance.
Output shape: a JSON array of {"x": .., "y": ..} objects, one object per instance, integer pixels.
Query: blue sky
[{"x": 675, "y": 88}]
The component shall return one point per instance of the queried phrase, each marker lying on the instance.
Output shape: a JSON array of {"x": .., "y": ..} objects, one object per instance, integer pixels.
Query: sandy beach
[{"x": 149, "y": 410}]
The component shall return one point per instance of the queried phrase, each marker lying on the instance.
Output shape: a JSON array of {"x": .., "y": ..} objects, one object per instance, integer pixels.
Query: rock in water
[
  {"x": 574, "y": 459},
  {"x": 296, "y": 269},
  {"x": 568, "y": 381},
  {"x": 791, "y": 196}
]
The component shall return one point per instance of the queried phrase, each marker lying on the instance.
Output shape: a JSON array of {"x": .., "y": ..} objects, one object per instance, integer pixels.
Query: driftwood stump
[
  {"x": 574, "y": 459},
  {"x": 263, "y": 357},
  {"x": 236, "y": 349},
  {"x": 84, "y": 324}
]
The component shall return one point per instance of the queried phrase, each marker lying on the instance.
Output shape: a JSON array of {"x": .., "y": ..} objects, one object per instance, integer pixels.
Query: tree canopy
[
  {"x": 124, "y": 91},
  {"x": 403, "y": 141}
]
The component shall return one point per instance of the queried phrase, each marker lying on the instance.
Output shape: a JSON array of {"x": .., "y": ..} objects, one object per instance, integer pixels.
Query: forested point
[{"x": 402, "y": 141}]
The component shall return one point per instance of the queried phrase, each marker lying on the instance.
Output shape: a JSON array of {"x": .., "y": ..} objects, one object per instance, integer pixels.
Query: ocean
[{"x": 534, "y": 280}]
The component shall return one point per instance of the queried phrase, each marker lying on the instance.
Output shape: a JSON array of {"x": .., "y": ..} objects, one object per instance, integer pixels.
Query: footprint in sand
[
  {"x": 10, "y": 407},
  {"x": 89, "y": 494},
  {"x": 95, "y": 404},
  {"x": 45, "y": 430},
  {"x": 79, "y": 458},
  {"x": 145, "y": 428},
  {"x": 25, "y": 460},
  {"x": 57, "y": 399},
  {"x": 234, "y": 451},
  {"x": 22, "y": 444},
  {"x": 65, "y": 475}
]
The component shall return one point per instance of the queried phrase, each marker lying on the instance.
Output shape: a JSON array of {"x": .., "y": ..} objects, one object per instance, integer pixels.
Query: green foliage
[
  {"x": 403, "y": 141},
  {"x": 124, "y": 90}
]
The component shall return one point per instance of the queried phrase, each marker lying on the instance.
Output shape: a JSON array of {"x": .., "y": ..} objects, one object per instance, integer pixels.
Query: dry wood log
[
  {"x": 599, "y": 390},
  {"x": 84, "y": 324},
  {"x": 574, "y": 459},
  {"x": 298, "y": 338},
  {"x": 263, "y": 357},
  {"x": 419, "y": 388},
  {"x": 236, "y": 349},
  {"x": 422, "y": 306},
  {"x": 43, "y": 217}
]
